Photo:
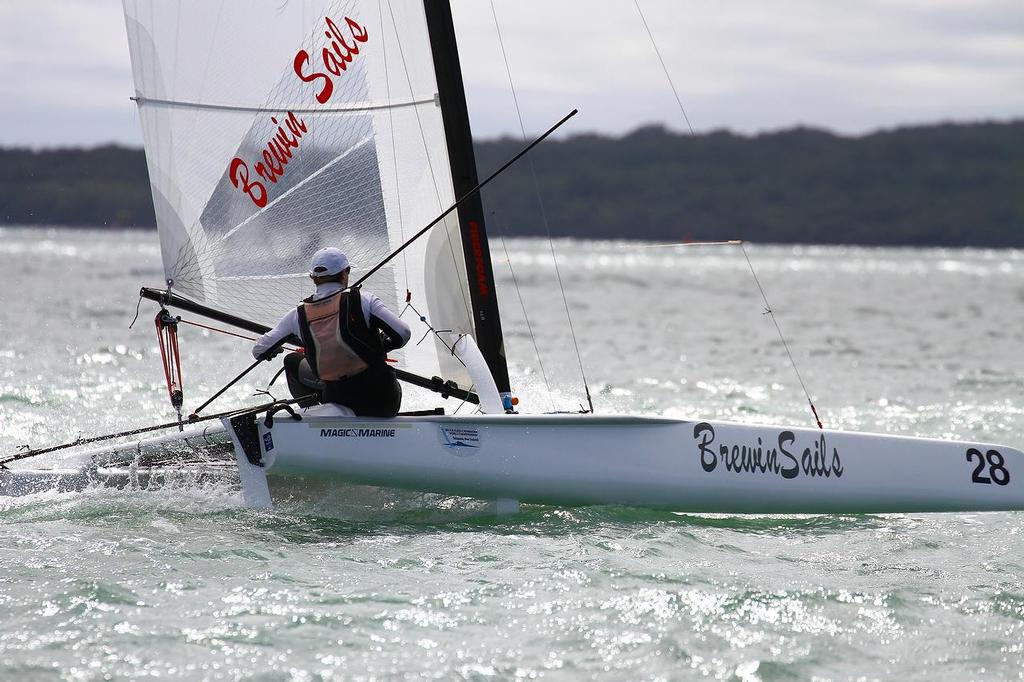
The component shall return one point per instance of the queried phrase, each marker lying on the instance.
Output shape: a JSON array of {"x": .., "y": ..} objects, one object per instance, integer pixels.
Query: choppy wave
[{"x": 179, "y": 580}]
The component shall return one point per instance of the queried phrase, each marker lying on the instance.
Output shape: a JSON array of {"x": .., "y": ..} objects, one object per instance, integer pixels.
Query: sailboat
[{"x": 274, "y": 129}]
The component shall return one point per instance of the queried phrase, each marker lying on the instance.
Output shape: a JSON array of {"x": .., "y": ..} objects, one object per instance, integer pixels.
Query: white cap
[{"x": 328, "y": 261}]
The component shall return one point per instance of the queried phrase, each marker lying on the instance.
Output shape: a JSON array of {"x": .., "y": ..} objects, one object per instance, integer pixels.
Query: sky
[{"x": 743, "y": 65}]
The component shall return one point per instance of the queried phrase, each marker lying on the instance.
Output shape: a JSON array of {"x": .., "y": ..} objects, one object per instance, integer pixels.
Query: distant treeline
[
  {"x": 952, "y": 185},
  {"x": 101, "y": 187}
]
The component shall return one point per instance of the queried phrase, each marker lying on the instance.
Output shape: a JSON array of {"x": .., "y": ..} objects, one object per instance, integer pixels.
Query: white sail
[{"x": 273, "y": 129}]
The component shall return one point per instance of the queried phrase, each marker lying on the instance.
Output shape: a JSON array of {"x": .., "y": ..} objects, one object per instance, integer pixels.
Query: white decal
[{"x": 460, "y": 437}]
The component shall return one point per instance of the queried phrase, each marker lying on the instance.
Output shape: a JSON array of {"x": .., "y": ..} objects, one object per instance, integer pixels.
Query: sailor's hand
[{"x": 271, "y": 353}]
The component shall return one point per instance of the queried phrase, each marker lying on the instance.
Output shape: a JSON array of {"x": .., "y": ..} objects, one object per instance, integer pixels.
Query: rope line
[
  {"x": 543, "y": 212},
  {"x": 215, "y": 329},
  {"x": 225, "y": 331},
  {"x": 170, "y": 357}
]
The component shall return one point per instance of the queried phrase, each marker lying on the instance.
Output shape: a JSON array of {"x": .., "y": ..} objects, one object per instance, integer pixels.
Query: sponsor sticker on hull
[
  {"x": 357, "y": 433},
  {"x": 375, "y": 430},
  {"x": 461, "y": 440}
]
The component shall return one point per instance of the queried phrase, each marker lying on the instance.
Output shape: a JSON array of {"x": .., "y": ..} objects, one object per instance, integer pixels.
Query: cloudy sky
[{"x": 745, "y": 65}]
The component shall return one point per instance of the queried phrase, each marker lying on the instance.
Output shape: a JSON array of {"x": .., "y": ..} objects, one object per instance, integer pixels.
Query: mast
[{"x": 454, "y": 113}]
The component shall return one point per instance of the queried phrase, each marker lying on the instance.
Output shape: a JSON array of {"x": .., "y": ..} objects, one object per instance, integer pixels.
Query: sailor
[{"x": 346, "y": 335}]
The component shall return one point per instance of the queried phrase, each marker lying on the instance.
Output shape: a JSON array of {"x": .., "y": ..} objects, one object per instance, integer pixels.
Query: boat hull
[
  {"x": 139, "y": 462},
  {"x": 652, "y": 462}
]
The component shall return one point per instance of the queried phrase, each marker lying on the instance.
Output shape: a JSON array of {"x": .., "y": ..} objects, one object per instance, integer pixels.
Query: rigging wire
[
  {"x": 768, "y": 310},
  {"x": 464, "y": 401},
  {"x": 767, "y": 307},
  {"x": 664, "y": 68},
  {"x": 728, "y": 242},
  {"x": 543, "y": 212},
  {"x": 431, "y": 330},
  {"x": 394, "y": 146},
  {"x": 526, "y": 315},
  {"x": 25, "y": 454},
  {"x": 771, "y": 313}
]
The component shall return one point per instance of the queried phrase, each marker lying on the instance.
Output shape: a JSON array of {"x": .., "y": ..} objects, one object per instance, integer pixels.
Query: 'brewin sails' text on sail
[{"x": 281, "y": 147}]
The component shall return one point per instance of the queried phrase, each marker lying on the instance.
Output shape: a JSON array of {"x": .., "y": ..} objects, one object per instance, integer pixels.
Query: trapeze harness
[{"x": 348, "y": 355}]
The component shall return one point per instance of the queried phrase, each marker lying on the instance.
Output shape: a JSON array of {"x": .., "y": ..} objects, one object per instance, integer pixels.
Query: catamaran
[{"x": 272, "y": 130}]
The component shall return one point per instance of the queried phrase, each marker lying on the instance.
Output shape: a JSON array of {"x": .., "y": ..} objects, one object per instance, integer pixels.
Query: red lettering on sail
[
  {"x": 239, "y": 173},
  {"x": 336, "y": 56},
  {"x": 301, "y": 59},
  {"x": 275, "y": 157}
]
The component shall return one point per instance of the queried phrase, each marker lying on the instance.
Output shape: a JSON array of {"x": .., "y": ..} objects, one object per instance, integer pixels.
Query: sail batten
[
  {"x": 297, "y": 109},
  {"x": 273, "y": 130}
]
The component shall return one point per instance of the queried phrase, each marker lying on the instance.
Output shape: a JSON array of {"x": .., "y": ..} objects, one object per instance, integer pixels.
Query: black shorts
[{"x": 374, "y": 392}]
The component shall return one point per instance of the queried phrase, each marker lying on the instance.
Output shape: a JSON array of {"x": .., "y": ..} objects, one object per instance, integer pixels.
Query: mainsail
[{"x": 274, "y": 129}]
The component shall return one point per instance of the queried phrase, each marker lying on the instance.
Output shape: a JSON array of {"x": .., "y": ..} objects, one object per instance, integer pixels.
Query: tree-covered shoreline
[{"x": 941, "y": 185}]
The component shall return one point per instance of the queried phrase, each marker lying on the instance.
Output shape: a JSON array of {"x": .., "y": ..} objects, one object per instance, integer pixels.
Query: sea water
[{"x": 182, "y": 582}]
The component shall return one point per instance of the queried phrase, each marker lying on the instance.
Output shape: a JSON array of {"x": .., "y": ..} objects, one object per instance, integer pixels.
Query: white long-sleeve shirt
[{"x": 374, "y": 312}]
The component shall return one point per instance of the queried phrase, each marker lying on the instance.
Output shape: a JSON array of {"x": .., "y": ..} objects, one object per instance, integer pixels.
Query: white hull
[
  {"x": 576, "y": 460},
  {"x": 650, "y": 462},
  {"x": 135, "y": 462}
]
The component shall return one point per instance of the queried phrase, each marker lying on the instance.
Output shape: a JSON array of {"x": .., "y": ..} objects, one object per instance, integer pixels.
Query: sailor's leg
[
  {"x": 374, "y": 392},
  {"x": 301, "y": 380},
  {"x": 394, "y": 390}
]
